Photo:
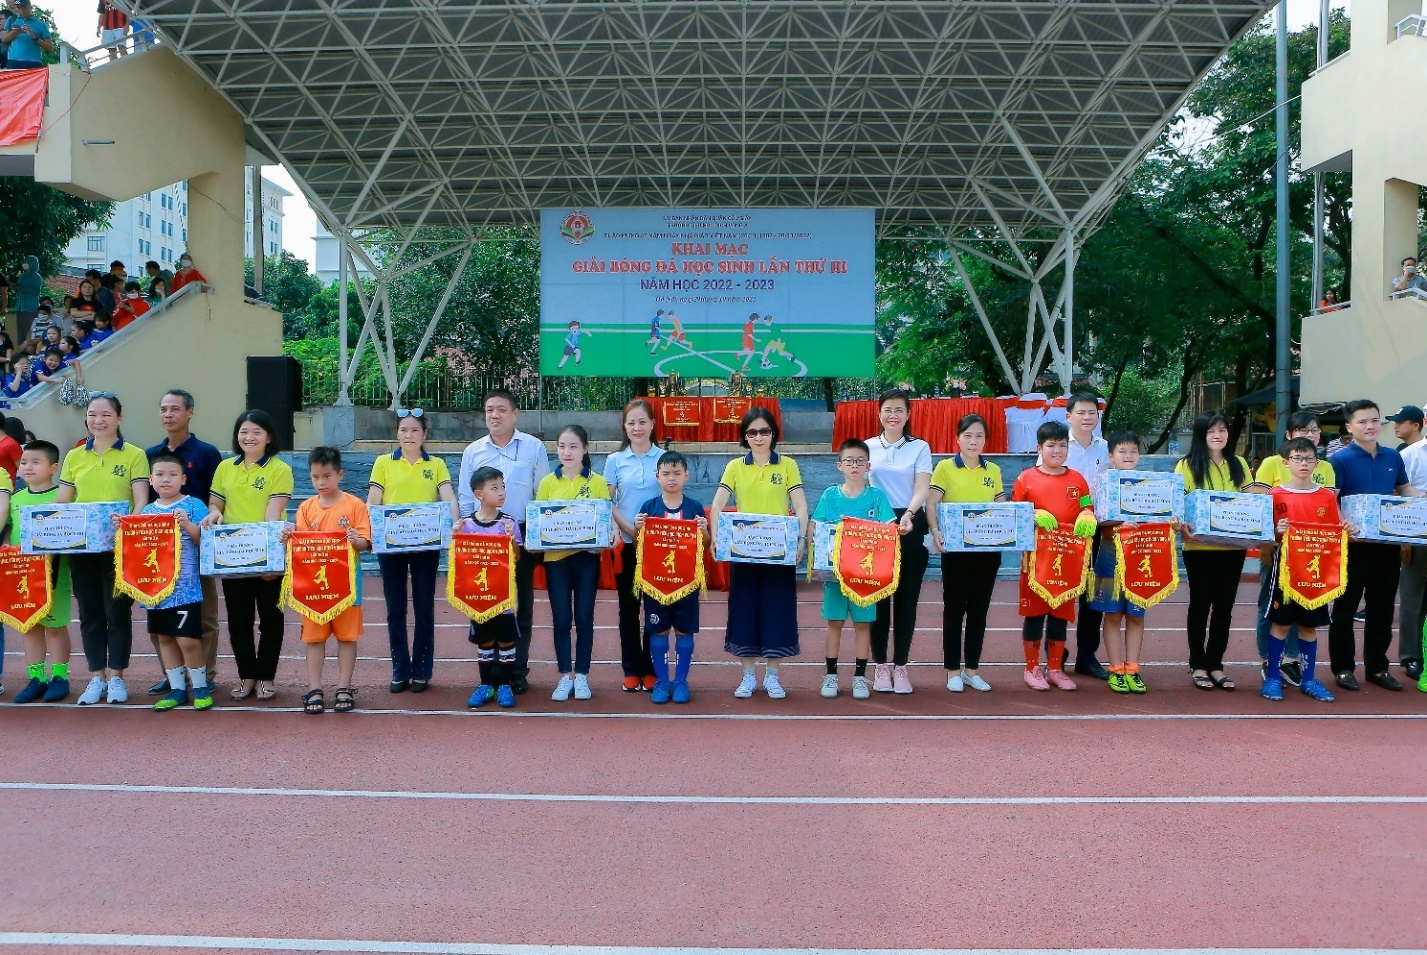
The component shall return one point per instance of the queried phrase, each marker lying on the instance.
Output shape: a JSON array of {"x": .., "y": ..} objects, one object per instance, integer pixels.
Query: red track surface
[{"x": 1221, "y": 874}]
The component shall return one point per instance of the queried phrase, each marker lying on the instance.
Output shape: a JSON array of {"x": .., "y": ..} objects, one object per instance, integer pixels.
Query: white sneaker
[
  {"x": 954, "y": 683},
  {"x": 829, "y": 690},
  {"x": 94, "y": 692},
  {"x": 772, "y": 687},
  {"x": 975, "y": 682},
  {"x": 861, "y": 689},
  {"x": 747, "y": 686},
  {"x": 582, "y": 687},
  {"x": 118, "y": 692},
  {"x": 563, "y": 688}
]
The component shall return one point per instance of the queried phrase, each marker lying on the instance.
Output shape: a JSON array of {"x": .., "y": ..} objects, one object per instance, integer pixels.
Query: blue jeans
[
  {"x": 572, "y": 583},
  {"x": 413, "y": 663},
  {"x": 1261, "y": 624}
]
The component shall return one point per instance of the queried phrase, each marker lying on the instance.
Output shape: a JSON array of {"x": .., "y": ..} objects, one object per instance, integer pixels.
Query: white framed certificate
[{"x": 399, "y": 528}]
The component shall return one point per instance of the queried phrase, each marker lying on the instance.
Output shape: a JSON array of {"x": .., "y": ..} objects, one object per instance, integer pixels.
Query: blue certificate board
[
  {"x": 242, "y": 550},
  {"x": 992, "y": 526},
  {"x": 756, "y": 538},
  {"x": 569, "y": 525},
  {"x": 401, "y": 528},
  {"x": 69, "y": 528}
]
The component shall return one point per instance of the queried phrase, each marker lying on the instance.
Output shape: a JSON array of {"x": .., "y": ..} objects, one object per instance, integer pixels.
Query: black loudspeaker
[{"x": 275, "y": 386}]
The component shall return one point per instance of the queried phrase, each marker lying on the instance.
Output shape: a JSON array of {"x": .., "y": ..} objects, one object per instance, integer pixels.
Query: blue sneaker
[
  {"x": 483, "y": 695},
  {"x": 33, "y": 691},
  {"x": 661, "y": 691},
  {"x": 173, "y": 699},
  {"x": 1272, "y": 690},
  {"x": 58, "y": 691},
  {"x": 682, "y": 694},
  {"x": 505, "y": 696},
  {"x": 1315, "y": 690}
]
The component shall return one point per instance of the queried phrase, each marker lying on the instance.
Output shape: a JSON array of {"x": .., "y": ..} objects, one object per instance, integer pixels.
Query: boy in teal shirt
[
  {"x": 854, "y": 498},
  {"x": 39, "y": 466}
]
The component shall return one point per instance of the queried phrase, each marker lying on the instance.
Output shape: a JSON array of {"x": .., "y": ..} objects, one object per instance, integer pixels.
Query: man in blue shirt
[
  {"x": 1365, "y": 467},
  {"x": 28, "y": 36},
  {"x": 200, "y": 460}
]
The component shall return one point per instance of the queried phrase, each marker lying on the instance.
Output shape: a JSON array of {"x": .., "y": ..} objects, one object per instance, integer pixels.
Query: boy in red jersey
[
  {"x": 1062, "y": 500},
  {"x": 1300, "y": 501}
]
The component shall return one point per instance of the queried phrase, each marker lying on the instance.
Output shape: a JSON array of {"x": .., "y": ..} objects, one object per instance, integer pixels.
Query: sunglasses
[
  {"x": 758, "y": 433},
  {"x": 102, "y": 394},
  {"x": 409, "y": 413}
]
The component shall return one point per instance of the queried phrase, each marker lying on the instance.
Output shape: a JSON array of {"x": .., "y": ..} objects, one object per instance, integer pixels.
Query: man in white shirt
[
  {"x": 1090, "y": 456},
  {"x": 1412, "y": 587},
  {"x": 523, "y": 460}
]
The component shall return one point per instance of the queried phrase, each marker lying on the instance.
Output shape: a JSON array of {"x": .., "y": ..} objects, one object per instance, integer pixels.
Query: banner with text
[{"x": 706, "y": 293}]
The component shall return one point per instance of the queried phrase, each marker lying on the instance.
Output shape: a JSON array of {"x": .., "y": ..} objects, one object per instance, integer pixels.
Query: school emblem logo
[
  {"x": 987, "y": 482},
  {"x": 578, "y": 228},
  {"x": 776, "y": 479},
  {"x": 428, "y": 474},
  {"x": 118, "y": 470},
  {"x": 259, "y": 483}
]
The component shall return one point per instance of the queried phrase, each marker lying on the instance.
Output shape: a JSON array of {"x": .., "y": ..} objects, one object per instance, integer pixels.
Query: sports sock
[
  {"x": 1055, "y": 651},
  {"x": 1033, "y": 653},
  {"x": 59, "y": 670},
  {"x": 750, "y": 670},
  {"x": 659, "y": 655},
  {"x": 485, "y": 660},
  {"x": 1131, "y": 668},
  {"x": 176, "y": 678},
  {"x": 197, "y": 679},
  {"x": 684, "y": 647},
  {"x": 772, "y": 668},
  {"x": 36, "y": 671},
  {"x": 831, "y": 665},
  {"x": 861, "y": 667},
  {"x": 1275, "y": 655},
  {"x": 1309, "y": 651},
  {"x": 1118, "y": 668}
]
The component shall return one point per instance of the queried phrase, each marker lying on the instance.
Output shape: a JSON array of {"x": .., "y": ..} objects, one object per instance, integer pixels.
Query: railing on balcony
[
  {"x": 1325, "y": 309},
  {"x": 1415, "y": 25},
  {"x": 1416, "y": 294}
]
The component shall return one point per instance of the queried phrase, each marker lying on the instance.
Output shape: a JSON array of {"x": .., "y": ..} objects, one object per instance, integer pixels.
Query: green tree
[
  {"x": 40, "y": 220},
  {"x": 290, "y": 288}
]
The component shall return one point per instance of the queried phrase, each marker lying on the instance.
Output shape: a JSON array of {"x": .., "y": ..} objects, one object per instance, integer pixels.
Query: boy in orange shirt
[
  {"x": 331, "y": 510},
  {"x": 1061, "y": 497}
]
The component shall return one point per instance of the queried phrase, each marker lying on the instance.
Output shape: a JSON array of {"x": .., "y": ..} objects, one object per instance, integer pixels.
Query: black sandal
[
  {"x": 346, "y": 699},
  {"x": 1202, "y": 682},
  {"x": 1224, "y": 683},
  {"x": 313, "y": 702}
]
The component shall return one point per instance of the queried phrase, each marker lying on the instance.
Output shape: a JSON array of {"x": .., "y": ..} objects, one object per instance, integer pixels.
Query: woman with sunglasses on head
[
  {"x": 901, "y": 469},
  {"x": 630, "y": 474},
  {"x": 411, "y": 475},
  {"x": 762, "y": 598}
]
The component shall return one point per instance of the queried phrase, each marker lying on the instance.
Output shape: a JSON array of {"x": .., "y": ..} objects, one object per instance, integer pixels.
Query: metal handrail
[
  {"x": 1414, "y": 25},
  {"x": 1412, "y": 293},
  {"x": 69, "y": 53},
  {"x": 1325, "y": 309}
]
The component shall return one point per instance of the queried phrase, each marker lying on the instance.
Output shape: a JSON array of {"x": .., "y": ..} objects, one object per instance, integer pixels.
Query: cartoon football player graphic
[
  {"x": 774, "y": 345},
  {"x": 654, "y": 333},
  {"x": 745, "y": 351},
  {"x": 572, "y": 344},
  {"x": 677, "y": 335}
]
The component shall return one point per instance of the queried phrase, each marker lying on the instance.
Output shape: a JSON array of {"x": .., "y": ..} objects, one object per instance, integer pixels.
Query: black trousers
[
  {"x": 251, "y": 599},
  {"x": 1373, "y": 573},
  {"x": 105, "y": 626},
  {"x": 1213, "y": 585},
  {"x": 633, "y": 642},
  {"x": 1087, "y": 621},
  {"x": 524, "y": 606},
  {"x": 898, "y": 613},
  {"x": 967, "y": 580}
]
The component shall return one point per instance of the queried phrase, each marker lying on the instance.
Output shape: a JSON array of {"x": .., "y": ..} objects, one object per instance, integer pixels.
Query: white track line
[
  {"x": 108, "y": 940},
  {"x": 719, "y": 800}
]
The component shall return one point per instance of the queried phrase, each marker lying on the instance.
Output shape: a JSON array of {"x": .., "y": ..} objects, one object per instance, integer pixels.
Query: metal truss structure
[{"x": 1014, "y": 122}]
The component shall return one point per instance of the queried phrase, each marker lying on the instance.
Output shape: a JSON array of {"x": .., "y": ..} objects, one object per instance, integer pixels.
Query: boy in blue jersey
[
  {"x": 682, "y": 616},
  {"x": 177, "y": 620},
  {"x": 572, "y": 344}
]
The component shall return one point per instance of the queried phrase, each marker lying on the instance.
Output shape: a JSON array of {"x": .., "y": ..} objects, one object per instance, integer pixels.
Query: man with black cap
[{"x": 1407, "y": 424}]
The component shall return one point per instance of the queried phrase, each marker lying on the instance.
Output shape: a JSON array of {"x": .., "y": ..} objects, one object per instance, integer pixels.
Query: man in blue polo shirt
[
  {"x": 1365, "y": 467},
  {"x": 28, "y": 36},
  {"x": 200, "y": 460}
]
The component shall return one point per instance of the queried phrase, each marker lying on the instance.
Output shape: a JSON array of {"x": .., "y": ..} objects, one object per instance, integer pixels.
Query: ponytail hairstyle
[
  {"x": 649, "y": 410},
  {"x": 1198, "y": 456},
  {"x": 905, "y": 397},
  {"x": 584, "y": 437}
]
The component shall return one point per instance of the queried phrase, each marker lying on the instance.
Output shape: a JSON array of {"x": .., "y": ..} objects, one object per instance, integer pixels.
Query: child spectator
[
  {"x": 39, "y": 467},
  {"x": 131, "y": 306},
  {"x": 36, "y": 339},
  {"x": 333, "y": 509},
  {"x": 177, "y": 620},
  {"x": 1300, "y": 500},
  {"x": 18, "y": 381},
  {"x": 49, "y": 370},
  {"x": 1062, "y": 500},
  {"x": 1123, "y": 649},
  {"x": 854, "y": 498},
  {"x": 682, "y": 616},
  {"x": 101, "y": 332},
  {"x": 495, "y": 639},
  {"x": 158, "y": 291}
]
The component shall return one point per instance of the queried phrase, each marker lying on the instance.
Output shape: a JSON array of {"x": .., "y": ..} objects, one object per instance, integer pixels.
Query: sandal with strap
[
  {"x": 1201, "y": 681},
  {"x": 266, "y": 691},
  {"x": 346, "y": 699},
  {"x": 314, "y": 702},
  {"x": 1223, "y": 682},
  {"x": 241, "y": 691}
]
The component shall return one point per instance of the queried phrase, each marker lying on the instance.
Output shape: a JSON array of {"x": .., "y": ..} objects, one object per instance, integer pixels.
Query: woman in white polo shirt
[{"x": 901, "y": 469}]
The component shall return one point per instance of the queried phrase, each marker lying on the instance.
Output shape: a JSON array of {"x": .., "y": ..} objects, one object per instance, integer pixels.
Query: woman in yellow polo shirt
[
  {"x": 572, "y": 577},
  {"x": 967, "y": 577},
  {"x": 762, "y": 598},
  {"x": 253, "y": 485},
  {"x": 104, "y": 468},
  {"x": 410, "y": 475}
]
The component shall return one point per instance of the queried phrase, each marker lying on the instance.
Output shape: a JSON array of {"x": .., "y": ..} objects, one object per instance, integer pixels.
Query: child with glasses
[{"x": 854, "y": 498}]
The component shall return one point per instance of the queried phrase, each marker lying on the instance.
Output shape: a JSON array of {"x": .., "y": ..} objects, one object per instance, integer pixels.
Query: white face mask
[{"x": 185, "y": 263}]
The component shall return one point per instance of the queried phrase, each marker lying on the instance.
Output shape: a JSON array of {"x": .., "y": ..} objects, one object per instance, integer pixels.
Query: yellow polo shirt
[
  {"x": 104, "y": 477},
  {"x": 1274, "y": 472},
  {"x": 960, "y": 484},
  {"x": 245, "y": 489},
  {"x": 402, "y": 482},
  {"x": 556, "y": 487},
  {"x": 762, "y": 489}
]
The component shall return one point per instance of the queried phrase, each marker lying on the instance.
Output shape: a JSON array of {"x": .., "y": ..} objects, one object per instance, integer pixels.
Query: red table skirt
[{"x": 933, "y": 420}]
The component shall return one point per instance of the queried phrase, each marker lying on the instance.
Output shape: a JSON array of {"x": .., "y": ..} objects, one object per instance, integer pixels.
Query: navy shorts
[
  {"x": 681, "y": 616},
  {"x": 185, "y": 620},
  {"x": 1287, "y": 613},
  {"x": 500, "y": 630}
]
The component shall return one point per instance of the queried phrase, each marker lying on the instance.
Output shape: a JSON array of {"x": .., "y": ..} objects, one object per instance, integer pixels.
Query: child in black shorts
[{"x": 682, "y": 616}]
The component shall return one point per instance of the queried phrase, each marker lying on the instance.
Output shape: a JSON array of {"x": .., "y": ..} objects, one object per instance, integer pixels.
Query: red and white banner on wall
[{"x": 22, "y": 104}]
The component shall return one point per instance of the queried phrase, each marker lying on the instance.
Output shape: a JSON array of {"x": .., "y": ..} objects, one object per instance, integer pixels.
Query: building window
[
  {"x": 185, "y": 235},
  {"x": 96, "y": 243},
  {"x": 185, "y": 208}
]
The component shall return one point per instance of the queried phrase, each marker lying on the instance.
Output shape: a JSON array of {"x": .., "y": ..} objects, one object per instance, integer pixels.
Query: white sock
[
  {"x": 175, "y": 678},
  {"x": 198, "y": 678},
  {"x": 772, "y": 668},
  {"x": 749, "y": 670}
]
